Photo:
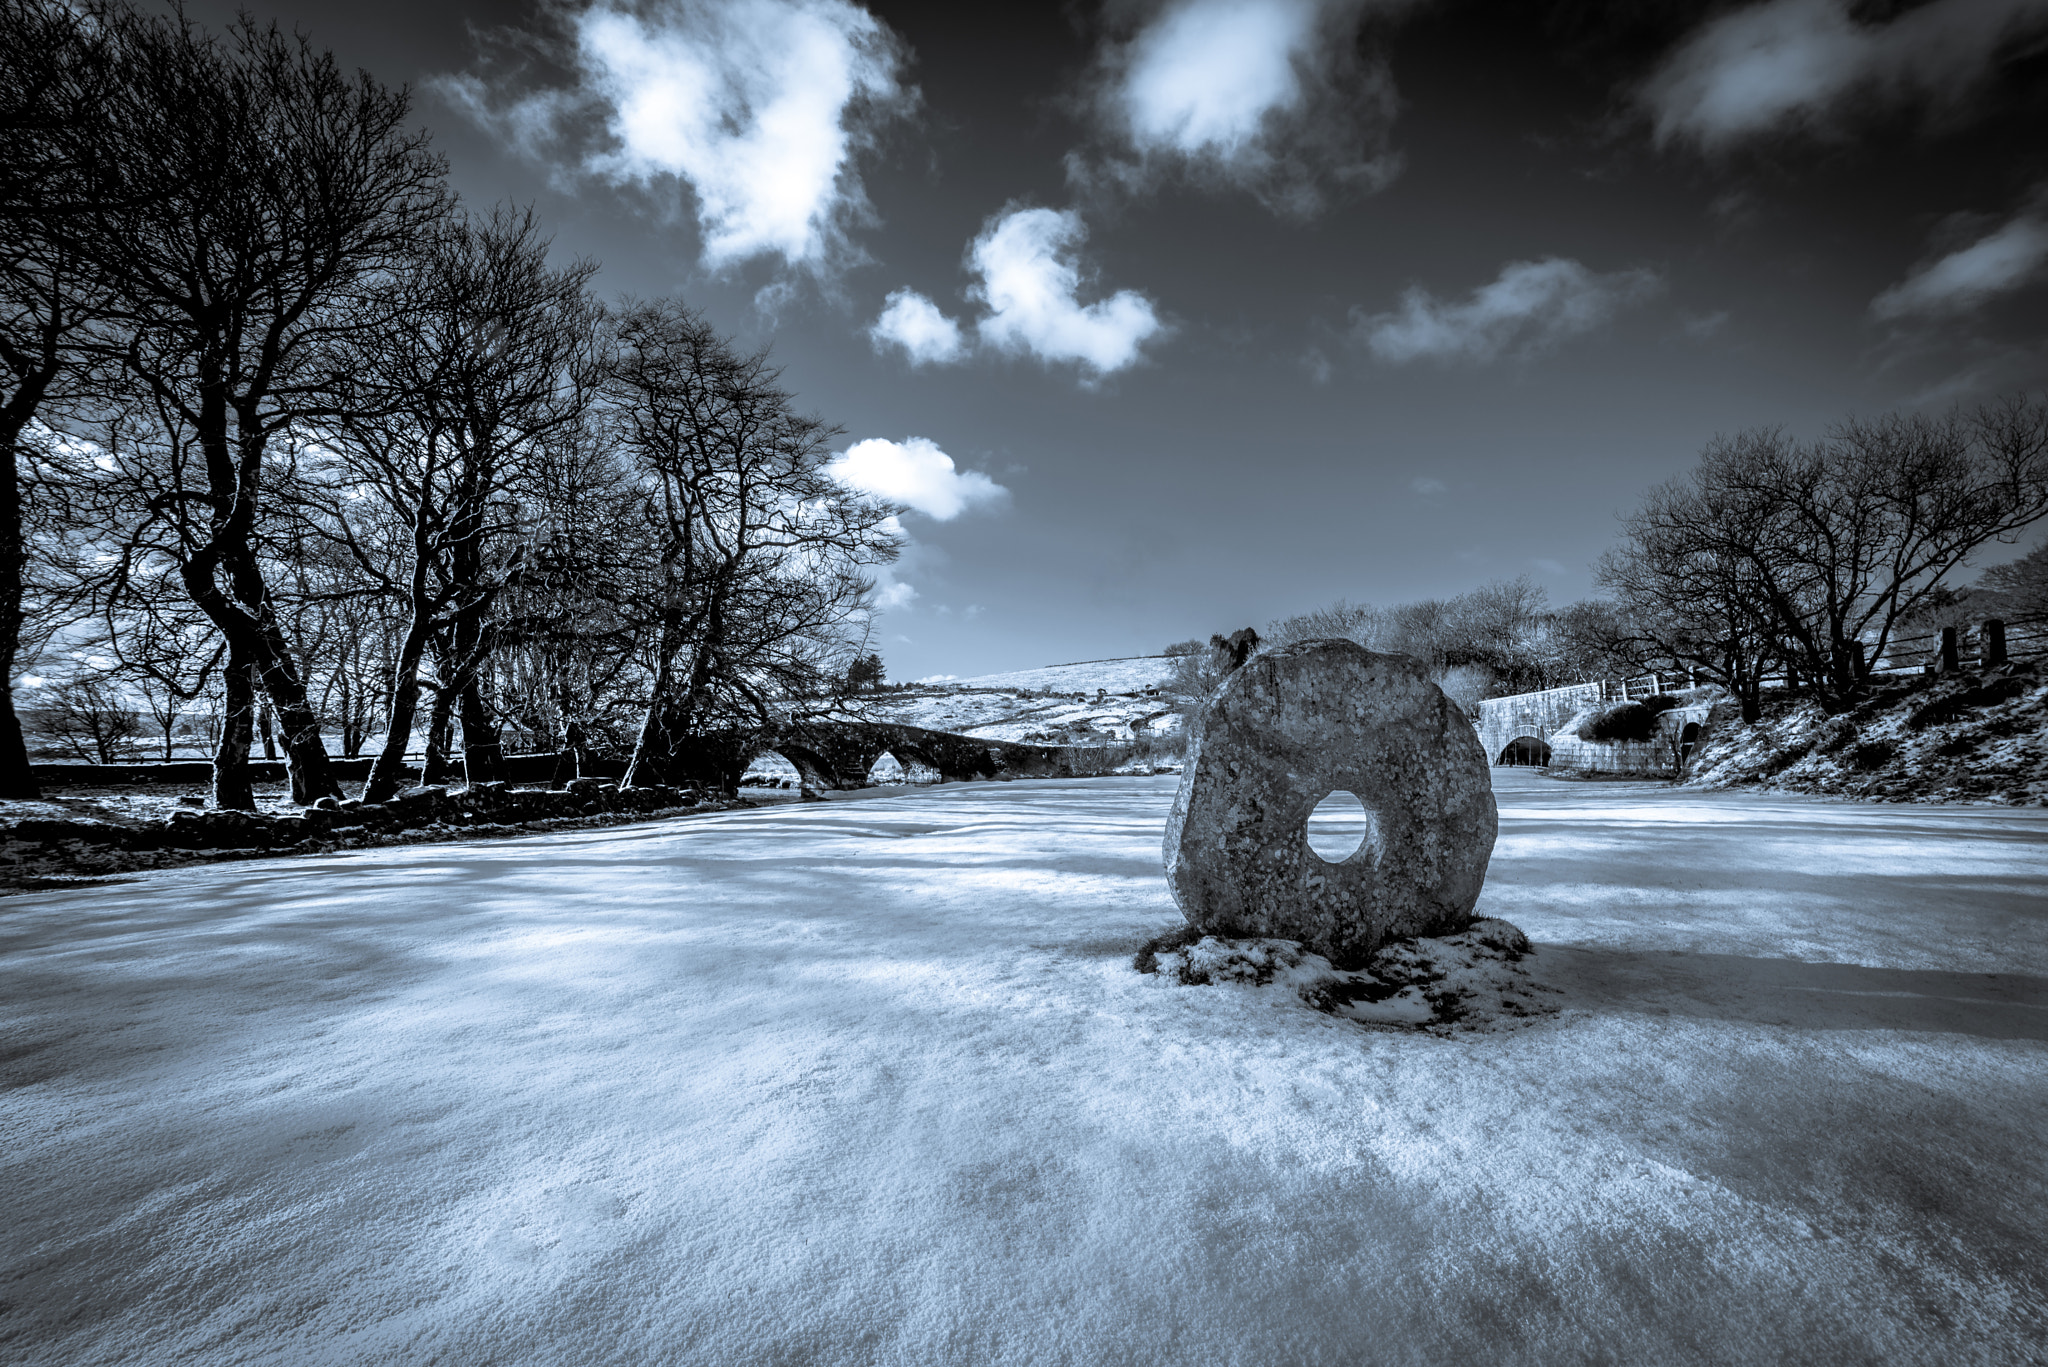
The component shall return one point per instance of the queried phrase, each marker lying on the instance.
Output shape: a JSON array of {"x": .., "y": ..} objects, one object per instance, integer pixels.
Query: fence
[{"x": 1985, "y": 645}]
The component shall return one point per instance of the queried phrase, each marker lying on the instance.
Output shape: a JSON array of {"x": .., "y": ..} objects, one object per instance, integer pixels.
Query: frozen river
[{"x": 872, "y": 1081}]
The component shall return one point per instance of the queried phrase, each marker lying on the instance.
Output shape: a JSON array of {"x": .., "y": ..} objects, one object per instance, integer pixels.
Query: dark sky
[{"x": 1222, "y": 309}]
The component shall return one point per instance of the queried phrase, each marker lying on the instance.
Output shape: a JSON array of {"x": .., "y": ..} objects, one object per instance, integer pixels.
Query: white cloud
[
  {"x": 1265, "y": 94},
  {"x": 2013, "y": 256},
  {"x": 1427, "y": 487},
  {"x": 1030, "y": 283},
  {"x": 915, "y": 473},
  {"x": 1029, "y": 277},
  {"x": 1796, "y": 62},
  {"x": 1204, "y": 75},
  {"x": 760, "y": 106},
  {"x": 894, "y": 596},
  {"x": 914, "y": 323},
  {"x": 1530, "y": 305}
]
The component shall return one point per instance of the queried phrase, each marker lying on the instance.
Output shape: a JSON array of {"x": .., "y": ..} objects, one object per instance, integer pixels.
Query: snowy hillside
[
  {"x": 1131, "y": 675},
  {"x": 1057, "y": 705},
  {"x": 1960, "y": 739}
]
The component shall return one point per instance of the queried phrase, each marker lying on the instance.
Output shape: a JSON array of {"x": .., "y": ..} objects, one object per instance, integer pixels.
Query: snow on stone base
[{"x": 1472, "y": 980}]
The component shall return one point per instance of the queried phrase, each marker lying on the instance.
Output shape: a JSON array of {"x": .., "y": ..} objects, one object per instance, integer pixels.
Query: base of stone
[{"x": 1472, "y": 980}]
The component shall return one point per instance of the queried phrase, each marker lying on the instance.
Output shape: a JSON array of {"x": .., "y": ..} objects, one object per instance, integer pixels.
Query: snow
[
  {"x": 1962, "y": 738},
  {"x": 1019, "y": 714},
  {"x": 1474, "y": 980},
  {"x": 1133, "y": 674},
  {"x": 1012, "y": 707},
  {"x": 873, "y": 1081}
]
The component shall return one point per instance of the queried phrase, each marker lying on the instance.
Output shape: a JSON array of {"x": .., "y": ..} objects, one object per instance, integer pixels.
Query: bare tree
[
  {"x": 87, "y": 715},
  {"x": 1588, "y": 640},
  {"x": 245, "y": 189},
  {"x": 2019, "y": 588},
  {"x": 1688, "y": 595},
  {"x": 164, "y": 651},
  {"x": 759, "y": 554},
  {"x": 564, "y": 630},
  {"x": 494, "y": 362},
  {"x": 1813, "y": 552},
  {"x": 56, "y": 70}
]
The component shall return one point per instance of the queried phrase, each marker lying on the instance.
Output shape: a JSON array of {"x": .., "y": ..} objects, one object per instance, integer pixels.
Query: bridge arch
[
  {"x": 812, "y": 769},
  {"x": 1531, "y": 750},
  {"x": 907, "y": 760}
]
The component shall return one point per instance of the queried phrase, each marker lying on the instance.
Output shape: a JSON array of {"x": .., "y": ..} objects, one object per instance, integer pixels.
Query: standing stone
[{"x": 1282, "y": 733}]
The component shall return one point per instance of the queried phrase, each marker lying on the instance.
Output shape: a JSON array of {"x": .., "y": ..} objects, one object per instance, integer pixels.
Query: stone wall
[
  {"x": 43, "y": 845},
  {"x": 1649, "y": 758}
]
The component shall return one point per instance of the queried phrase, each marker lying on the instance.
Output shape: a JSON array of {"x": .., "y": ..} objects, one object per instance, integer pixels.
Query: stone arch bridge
[
  {"x": 840, "y": 754},
  {"x": 1531, "y": 717}
]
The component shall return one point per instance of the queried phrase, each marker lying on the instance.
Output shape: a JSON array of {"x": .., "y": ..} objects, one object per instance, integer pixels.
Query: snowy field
[
  {"x": 1131, "y": 674},
  {"x": 872, "y": 1081}
]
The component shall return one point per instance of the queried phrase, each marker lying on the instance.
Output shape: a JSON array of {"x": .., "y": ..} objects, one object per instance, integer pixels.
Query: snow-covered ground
[
  {"x": 873, "y": 1081},
  {"x": 1072, "y": 704},
  {"x": 1024, "y": 715},
  {"x": 1965, "y": 738},
  {"x": 1132, "y": 674}
]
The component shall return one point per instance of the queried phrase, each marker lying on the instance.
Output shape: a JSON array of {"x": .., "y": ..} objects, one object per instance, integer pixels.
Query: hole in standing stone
[{"x": 1339, "y": 825}]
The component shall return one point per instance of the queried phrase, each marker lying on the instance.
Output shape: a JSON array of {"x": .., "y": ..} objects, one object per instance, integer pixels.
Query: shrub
[
  {"x": 1661, "y": 702},
  {"x": 1955, "y": 705},
  {"x": 1873, "y": 755},
  {"x": 1624, "y": 721}
]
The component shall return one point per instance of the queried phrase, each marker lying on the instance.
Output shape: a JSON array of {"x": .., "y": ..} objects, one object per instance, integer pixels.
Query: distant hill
[
  {"x": 1132, "y": 675},
  {"x": 1053, "y": 705}
]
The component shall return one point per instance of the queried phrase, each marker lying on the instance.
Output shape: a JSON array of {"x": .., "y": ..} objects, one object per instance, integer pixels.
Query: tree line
[
  {"x": 1773, "y": 558},
  {"x": 289, "y": 427}
]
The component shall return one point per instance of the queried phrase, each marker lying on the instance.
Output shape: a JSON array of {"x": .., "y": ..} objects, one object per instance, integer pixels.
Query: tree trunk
[
  {"x": 387, "y": 771},
  {"x": 652, "y": 746},
  {"x": 231, "y": 787},
  {"x": 436, "y": 766},
  {"x": 483, "y": 755},
  {"x": 254, "y": 639},
  {"x": 17, "y": 779},
  {"x": 305, "y": 753},
  {"x": 265, "y": 731}
]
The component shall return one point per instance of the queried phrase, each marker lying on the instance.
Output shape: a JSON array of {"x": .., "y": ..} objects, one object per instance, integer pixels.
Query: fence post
[
  {"x": 1951, "y": 659},
  {"x": 1994, "y": 644}
]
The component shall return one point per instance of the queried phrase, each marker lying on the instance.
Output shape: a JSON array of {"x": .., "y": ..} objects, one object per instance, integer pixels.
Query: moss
[{"x": 1146, "y": 960}]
